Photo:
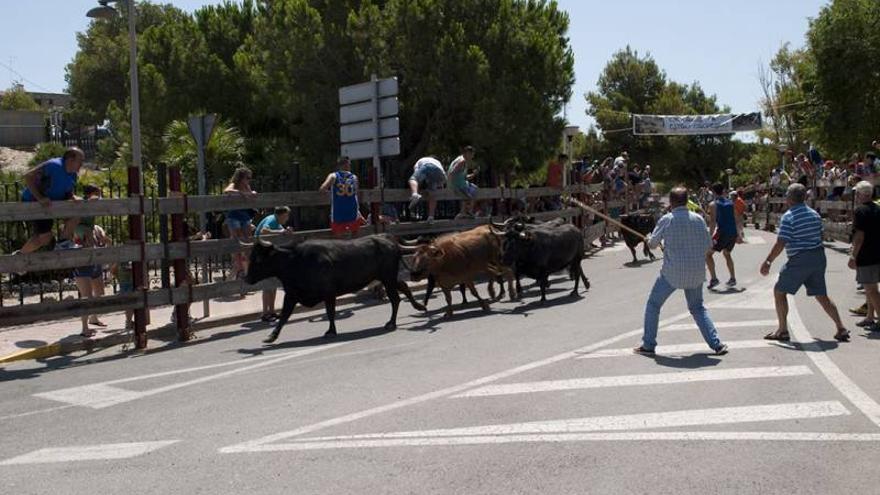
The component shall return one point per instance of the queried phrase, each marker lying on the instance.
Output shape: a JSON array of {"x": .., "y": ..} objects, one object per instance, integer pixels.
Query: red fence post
[
  {"x": 139, "y": 278},
  {"x": 181, "y": 311}
]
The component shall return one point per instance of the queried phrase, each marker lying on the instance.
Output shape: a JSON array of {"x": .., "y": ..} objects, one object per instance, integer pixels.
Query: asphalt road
[{"x": 524, "y": 399}]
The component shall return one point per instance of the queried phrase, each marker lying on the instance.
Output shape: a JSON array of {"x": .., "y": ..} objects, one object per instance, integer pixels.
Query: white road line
[
  {"x": 757, "y": 296},
  {"x": 637, "y": 380},
  {"x": 38, "y": 411},
  {"x": 672, "y": 419},
  {"x": 88, "y": 453},
  {"x": 101, "y": 395},
  {"x": 348, "y": 418},
  {"x": 755, "y": 240},
  {"x": 715, "y": 436},
  {"x": 671, "y": 350},
  {"x": 722, "y": 324},
  {"x": 838, "y": 379}
]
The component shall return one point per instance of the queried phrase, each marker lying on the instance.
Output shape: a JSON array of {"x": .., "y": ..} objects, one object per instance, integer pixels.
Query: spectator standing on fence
[
  {"x": 726, "y": 229},
  {"x": 685, "y": 239},
  {"x": 52, "y": 180},
  {"x": 428, "y": 176},
  {"x": 345, "y": 215},
  {"x": 460, "y": 181},
  {"x": 865, "y": 257},
  {"x": 800, "y": 236},
  {"x": 239, "y": 221},
  {"x": 272, "y": 224}
]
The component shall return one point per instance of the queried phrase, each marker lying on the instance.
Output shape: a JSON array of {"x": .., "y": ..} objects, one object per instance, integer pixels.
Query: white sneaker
[
  {"x": 414, "y": 200},
  {"x": 65, "y": 244}
]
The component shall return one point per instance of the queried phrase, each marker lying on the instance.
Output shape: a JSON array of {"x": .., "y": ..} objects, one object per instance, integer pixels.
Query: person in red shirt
[
  {"x": 555, "y": 171},
  {"x": 739, "y": 209}
]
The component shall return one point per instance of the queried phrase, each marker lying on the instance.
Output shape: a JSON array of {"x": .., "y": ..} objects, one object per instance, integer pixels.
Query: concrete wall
[{"x": 18, "y": 129}]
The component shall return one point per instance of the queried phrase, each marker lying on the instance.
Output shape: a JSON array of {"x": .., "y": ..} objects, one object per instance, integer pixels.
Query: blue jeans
[{"x": 659, "y": 294}]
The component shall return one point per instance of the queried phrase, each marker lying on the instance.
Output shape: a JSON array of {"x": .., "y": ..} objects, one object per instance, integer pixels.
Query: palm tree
[{"x": 224, "y": 151}]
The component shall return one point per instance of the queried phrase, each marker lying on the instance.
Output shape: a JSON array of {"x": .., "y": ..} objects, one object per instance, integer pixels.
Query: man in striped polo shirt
[{"x": 800, "y": 235}]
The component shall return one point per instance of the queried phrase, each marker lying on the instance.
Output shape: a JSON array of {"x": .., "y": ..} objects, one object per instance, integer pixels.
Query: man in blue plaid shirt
[{"x": 686, "y": 241}]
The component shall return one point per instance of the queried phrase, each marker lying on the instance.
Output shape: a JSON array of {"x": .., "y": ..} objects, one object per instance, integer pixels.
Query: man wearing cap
[
  {"x": 800, "y": 236},
  {"x": 52, "y": 180}
]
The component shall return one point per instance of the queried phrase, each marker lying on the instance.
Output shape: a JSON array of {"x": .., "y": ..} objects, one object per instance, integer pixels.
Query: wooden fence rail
[{"x": 55, "y": 260}]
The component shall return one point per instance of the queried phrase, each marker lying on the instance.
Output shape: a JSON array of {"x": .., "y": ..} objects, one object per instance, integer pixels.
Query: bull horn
[
  {"x": 407, "y": 249},
  {"x": 404, "y": 242},
  {"x": 264, "y": 242},
  {"x": 245, "y": 244},
  {"x": 497, "y": 225}
]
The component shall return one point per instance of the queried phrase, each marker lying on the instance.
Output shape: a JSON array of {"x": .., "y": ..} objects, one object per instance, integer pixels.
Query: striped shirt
[
  {"x": 800, "y": 229},
  {"x": 686, "y": 240}
]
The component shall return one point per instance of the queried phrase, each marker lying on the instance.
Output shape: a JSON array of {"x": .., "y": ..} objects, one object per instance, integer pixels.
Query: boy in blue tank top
[
  {"x": 345, "y": 215},
  {"x": 726, "y": 228}
]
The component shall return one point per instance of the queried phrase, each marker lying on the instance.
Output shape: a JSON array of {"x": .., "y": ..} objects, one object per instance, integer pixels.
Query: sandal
[
  {"x": 842, "y": 336},
  {"x": 97, "y": 323},
  {"x": 88, "y": 335},
  {"x": 866, "y": 323},
  {"x": 778, "y": 337}
]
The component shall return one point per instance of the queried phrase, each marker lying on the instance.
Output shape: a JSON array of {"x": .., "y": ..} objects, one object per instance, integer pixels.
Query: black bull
[
  {"x": 537, "y": 251},
  {"x": 320, "y": 270},
  {"x": 643, "y": 223}
]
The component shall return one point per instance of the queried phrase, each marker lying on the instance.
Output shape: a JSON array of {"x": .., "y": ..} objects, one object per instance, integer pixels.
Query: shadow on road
[
  {"x": 315, "y": 341},
  {"x": 694, "y": 361},
  {"x": 640, "y": 263}
]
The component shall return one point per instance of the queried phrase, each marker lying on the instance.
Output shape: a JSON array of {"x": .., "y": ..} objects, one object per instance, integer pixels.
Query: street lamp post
[
  {"x": 729, "y": 173},
  {"x": 135, "y": 175}
]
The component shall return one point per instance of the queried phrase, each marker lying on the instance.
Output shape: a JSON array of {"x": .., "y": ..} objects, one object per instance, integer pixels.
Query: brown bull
[{"x": 461, "y": 258}]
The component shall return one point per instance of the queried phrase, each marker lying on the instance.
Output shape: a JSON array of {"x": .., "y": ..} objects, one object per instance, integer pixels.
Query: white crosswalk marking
[
  {"x": 102, "y": 395},
  {"x": 637, "y": 380},
  {"x": 671, "y": 350},
  {"x": 88, "y": 452},
  {"x": 546, "y": 430},
  {"x": 722, "y": 324}
]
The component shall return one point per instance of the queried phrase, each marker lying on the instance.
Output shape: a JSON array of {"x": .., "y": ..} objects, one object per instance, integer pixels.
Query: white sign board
[
  {"x": 362, "y": 112},
  {"x": 365, "y": 131},
  {"x": 366, "y": 91},
  {"x": 367, "y": 149}
]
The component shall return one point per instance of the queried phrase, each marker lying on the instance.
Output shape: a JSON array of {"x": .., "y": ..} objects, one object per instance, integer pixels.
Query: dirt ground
[{"x": 12, "y": 160}]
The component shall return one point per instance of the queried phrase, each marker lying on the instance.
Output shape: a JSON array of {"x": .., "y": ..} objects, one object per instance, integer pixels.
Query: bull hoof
[
  {"x": 271, "y": 338},
  {"x": 420, "y": 307},
  {"x": 485, "y": 306},
  {"x": 390, "y": 326},
  {"x": 448, "y": 315},
  {"x": 330, "y": 334},
  {"x": 587, "y": 285}
]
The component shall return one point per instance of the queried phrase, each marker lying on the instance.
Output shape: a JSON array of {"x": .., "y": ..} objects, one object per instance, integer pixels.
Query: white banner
[{"x": 694, "y": 125}]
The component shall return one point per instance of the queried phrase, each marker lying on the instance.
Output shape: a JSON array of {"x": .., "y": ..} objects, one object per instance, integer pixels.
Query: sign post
[
  {"x": 202, "y": 127},
  {"x": 369, "y": 127}
]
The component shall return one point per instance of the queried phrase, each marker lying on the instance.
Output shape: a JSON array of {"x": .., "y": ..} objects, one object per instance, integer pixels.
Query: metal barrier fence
[
  {"x": 208, "y": 259},
  {"x": 837, "y": 216}
]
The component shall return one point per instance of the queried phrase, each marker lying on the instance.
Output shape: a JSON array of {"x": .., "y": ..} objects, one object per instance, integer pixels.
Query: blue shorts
[
  {"x": 125, "y": 287},
  {"x": 429, "y": 177},
  {"x": 469, "y": 191},
  {"x": 93, "y": 272},
  {"x": 236, "y": 223},
  {"x": 806, "y": 269}
]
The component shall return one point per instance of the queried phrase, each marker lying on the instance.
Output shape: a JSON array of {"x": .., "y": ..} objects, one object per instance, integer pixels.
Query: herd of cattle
[{"x": 320, "y": 270}]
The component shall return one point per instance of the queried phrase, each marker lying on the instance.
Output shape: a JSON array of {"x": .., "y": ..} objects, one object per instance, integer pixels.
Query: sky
[{"x": 719, "y": 43}]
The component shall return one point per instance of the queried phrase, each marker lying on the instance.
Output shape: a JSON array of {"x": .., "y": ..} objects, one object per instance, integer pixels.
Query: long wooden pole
[{"x": 607, "y": 218}]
